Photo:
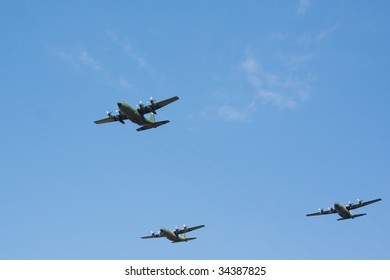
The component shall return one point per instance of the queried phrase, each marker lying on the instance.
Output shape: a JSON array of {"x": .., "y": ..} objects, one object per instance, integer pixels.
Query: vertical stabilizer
[{"x": 152, "y": 118}]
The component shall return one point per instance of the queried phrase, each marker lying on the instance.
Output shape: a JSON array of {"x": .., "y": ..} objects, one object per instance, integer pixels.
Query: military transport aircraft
[
  {"x": 178, "y": 235},
  {"x": 126, "y": 112},
  {"x": 345, "y": 211}
]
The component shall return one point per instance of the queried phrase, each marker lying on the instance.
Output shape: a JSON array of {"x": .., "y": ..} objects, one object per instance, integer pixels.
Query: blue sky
[{"x": 283, "y": 110}]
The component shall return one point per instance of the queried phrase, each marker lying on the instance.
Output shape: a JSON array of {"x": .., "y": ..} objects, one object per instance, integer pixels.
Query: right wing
[
  {"x": 322, "y": 212},
  {"x": 361, "y": 203},
  {"x": 154, "y": 235},
  {"x": 106, "y": 120}
]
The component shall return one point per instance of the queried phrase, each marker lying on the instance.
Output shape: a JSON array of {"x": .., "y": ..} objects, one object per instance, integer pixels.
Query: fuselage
[
  {"x": 132, "y": 114},
  {"x": 169, "y": 234},
  {"x": 342, "y": 210}
]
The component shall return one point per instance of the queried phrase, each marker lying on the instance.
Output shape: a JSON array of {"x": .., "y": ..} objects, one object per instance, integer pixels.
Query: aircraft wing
[
  {"x": 111, "y": 118},
  {"x": 106, "y": 120},
  {"x": 188, "y": 229},
  {"x": 154, "y": 235},
  {"x": 322, "y": 212},
  {"x": 361, "y": 203},
  {"x": 165, "y": 102}
]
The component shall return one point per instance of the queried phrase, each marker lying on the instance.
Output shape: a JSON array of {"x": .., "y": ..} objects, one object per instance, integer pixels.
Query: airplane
[
  {"x": 345, "y": 211},
  {"x": 178, "y": 235},
  {"x": 126, "y": 112}
]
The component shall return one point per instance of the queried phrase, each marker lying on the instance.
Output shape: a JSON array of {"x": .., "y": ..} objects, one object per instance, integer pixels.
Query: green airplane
[
  {"x": 344, "y": 211},
  {"x": 126, "y": 112},
  {"x": 178, "y": 235}
]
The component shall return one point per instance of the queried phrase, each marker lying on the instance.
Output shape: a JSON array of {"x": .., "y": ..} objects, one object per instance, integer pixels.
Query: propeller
[
  {"x": 359, "y": 201},
  {"x": 152, "y": 107},
  {"x": 321, "y": 210},
  {"x": 117, "y": 118}
]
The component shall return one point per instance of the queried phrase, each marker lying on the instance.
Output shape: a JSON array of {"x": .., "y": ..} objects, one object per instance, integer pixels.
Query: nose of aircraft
[{"x": 119, "y": 104}]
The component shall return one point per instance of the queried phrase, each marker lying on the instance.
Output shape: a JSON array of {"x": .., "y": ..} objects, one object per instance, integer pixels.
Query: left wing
[
  {"x": 153, "y": 106},
  {"x": 360, "y": 203},
  {"x": 322, "y": 212},
  {"x": 188, "y": 229},
  {"x": 165, "y": 102}
]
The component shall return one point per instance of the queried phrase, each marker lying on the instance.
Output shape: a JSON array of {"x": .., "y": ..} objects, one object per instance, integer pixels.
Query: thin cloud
[
  {"x": 129, "y": 50},
  {"x": 231, "y": 114},
  {"x": 320, "y": 37},
  {"x": 66, "y": 57},
  {"x": 125, "y": 84},
  {"x": 303, "y": 7},
  {"x": 88, "y": 61},
  {"x": 281, "y": 91},
  {"x": 77, "y": 60},
  {"x": 285, "y": 90}
]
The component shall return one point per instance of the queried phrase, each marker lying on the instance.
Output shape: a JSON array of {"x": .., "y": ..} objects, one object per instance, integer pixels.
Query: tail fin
[{"x": 152, "y": 118}]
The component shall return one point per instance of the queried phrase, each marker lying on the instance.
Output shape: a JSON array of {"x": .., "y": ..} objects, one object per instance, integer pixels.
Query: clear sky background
[{"x": 284, "y": 109}]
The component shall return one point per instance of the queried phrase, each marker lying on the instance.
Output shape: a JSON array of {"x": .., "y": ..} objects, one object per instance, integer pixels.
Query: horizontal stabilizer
[
  {"x": 185, "y": 240},
  {"x": 343, "y": 219},
  {"x": 152, "y": 125},
  {"x": 358, "y": 215},
  {"x": 352, "y": 217}
]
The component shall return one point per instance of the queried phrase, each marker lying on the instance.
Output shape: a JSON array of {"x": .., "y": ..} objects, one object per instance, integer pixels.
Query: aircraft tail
[{"x": 152, "y": 118}]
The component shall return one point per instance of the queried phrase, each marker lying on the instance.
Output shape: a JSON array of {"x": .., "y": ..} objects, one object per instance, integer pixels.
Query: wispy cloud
[
  {"x": 303, "y": 7},
  {"x": 286, "y": 87},
  {"x": 318, "y": 38},
  {"x": 89, "y": 61},
  {"x": 283, "y": 91},
  {"x": 230, "y": 113},
  {"x": 125, "y": 84},
  {"x": 129, "y": 50},
  {"x": 77, "y": 60}
]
